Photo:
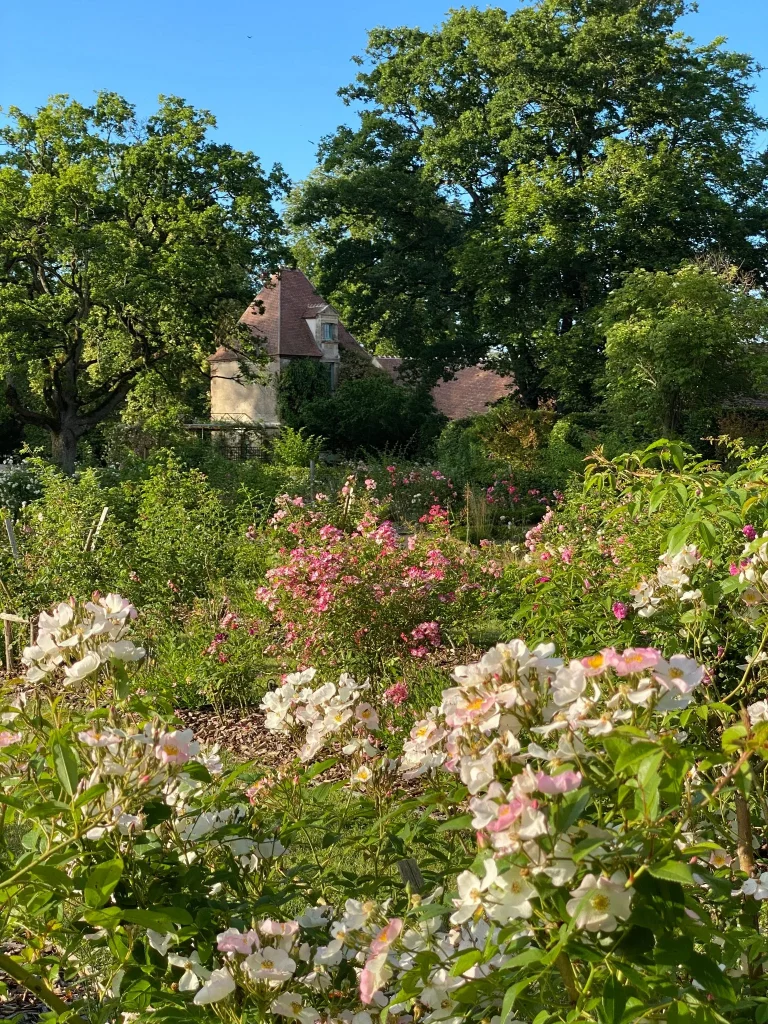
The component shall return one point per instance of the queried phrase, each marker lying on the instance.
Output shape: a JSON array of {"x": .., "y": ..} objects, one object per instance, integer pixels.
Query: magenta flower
[
  {"x": 619, "y": 609},
  {"x": 396, "y": 694},
  {"x": 749, "y": 531}
]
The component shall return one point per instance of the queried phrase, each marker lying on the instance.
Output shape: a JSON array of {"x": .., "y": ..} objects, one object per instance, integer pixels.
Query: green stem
[
  {"x": 750, "y": 665},
  {"x": 565, "y": 968},
  {"x": 35, "y": 985}
]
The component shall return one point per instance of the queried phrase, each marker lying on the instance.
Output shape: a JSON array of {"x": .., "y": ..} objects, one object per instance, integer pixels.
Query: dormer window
[{"x": 329, "y": 332}]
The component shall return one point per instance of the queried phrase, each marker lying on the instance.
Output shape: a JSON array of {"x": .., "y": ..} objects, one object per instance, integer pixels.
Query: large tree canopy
[
  {"x": 123, "y": 247},
  {"x": 509, "y": 169}
]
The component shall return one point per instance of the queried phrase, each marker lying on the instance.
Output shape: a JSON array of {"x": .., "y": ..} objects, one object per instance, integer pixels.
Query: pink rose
[{"x": 553, "y": 785}]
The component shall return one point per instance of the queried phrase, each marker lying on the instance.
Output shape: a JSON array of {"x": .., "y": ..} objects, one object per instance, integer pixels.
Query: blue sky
[{"x": 275, "y": 92}]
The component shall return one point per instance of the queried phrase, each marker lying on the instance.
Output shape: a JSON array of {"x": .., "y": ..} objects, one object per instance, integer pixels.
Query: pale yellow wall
[{"x": 242, "y": 403}]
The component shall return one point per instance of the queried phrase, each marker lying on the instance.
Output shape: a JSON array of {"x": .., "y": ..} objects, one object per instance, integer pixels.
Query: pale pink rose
[
  {"x": 556, "y": 784},
  {"x": 234, "y": 941},
  {"x": 386, "y": 936},
  {"x": 636, "y": 659}
]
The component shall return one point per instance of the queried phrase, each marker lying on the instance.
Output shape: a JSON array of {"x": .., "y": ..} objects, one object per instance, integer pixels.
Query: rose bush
[
  {"x": 349, "y": 589},
  {"x": 586, "y": 834},
  {"x": 649, "y": 546}
]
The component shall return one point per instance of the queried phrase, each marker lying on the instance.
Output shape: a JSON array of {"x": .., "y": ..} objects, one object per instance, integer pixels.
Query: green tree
[
  {"x": 123, "y": 248},
  {"x": 678, "y": 345},
  {"x": 374, "y": 413},
  {"x": 509, "y": 169}
]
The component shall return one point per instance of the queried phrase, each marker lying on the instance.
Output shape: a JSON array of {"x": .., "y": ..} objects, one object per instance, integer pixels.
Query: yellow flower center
[{"x": 600, "y": 902}]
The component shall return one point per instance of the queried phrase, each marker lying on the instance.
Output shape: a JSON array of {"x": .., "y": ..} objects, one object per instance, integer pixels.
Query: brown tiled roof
[
  {"x": 391, "y": 364},
  {"x": 470, "y": 392},
  {"x": 288, "y": 301}
]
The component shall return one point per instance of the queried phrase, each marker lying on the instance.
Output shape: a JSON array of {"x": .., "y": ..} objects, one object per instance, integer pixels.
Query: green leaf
[
  {"x": 102, "y": 881},
  {"x": 197, "y": 771},
  {"x": 708, "y": 535},
  {"x": 526, "y": 958},
  {"x": 465, "y": 961},
  {"x": 458, "y": 824},
  {"x": 615, "y": 996},
  {"x": 709, "y": 976},
  {"x": 154, "y": 919},
  {"x": 679, "y": 1013},
  {"x": 678, "y": 458},
  {"x": 510, "y": 996},
  {"x": 635, "y": 753},
  {"x": 92, "y": 793},
  {"x": 107, "y": 917},
  {"x": 730, "y": 740},
  {"x": 648, "y": 782},
  {"x": 672, "y": 950},
  {"x": 585, "y": 847},
  {"x": 319, "y": 768},
  {"x": 53, "y": 877},
  {"x": 678, "y": 536},
  {"x": 66, "y": 766},
  {"x": 572, "y": 807},
  {"x": 169, "y": 915}
]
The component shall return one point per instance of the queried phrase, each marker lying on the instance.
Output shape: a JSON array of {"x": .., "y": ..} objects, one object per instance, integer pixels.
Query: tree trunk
[{"x": 64, "y": 448}]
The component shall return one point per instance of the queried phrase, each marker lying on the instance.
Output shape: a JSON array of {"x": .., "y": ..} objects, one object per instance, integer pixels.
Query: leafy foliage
[
  {"x": 107, "y": 227},
  {"x": 679, "y": 345},
  {"x": 510, "y": 169}
]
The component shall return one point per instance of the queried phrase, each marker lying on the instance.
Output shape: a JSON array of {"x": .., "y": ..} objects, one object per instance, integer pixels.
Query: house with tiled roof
[
  {"x": 469, "y": 392},
  {"x": 293, "y": 322}
]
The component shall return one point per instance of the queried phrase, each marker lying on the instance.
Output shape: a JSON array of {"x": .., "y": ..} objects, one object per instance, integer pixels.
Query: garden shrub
[
  {"x": 374, "y": 413},
  {"x": 180, "y": 544},
  {"x": 19, "y": 484},
  {"x": 581, "y": 840},
  {"x": 296, "y": 447},
  {"x": 52, "y": 532},
  {"x": 638, "y": 519},
  {"x": 349, "y": 590},
  {"x": 678, "y": 345}
]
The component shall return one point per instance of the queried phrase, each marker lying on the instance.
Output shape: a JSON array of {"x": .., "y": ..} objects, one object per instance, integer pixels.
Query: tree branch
[{"x": 37, "y": 419}]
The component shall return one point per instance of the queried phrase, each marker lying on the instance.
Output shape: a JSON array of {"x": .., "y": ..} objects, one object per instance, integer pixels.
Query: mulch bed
[{"x": 239, "y": 732}]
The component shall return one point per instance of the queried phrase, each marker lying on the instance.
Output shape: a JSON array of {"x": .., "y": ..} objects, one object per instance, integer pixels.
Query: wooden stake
[
  {"x": 94, "y": 531},
  {"x": 8, "y": 634},
  {"x": 410, "y": 874},
  {"x": 11, "y": 538},
  {"x": 7, "y": 618}
]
